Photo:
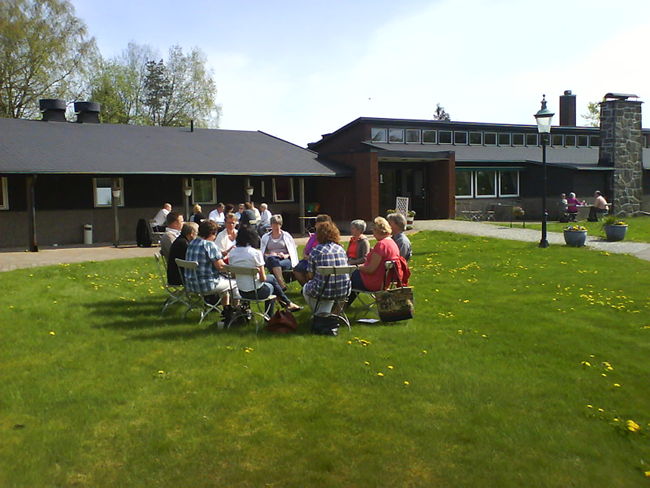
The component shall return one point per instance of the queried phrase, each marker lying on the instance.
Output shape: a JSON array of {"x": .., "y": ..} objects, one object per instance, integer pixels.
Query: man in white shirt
[
  {"x": 217, "y": 215},
  {"x": 225, "y": 239},
  {"x": 160, "y": 218},
  {"x": 173, "y": 230},
  {"x": 265, "y": 218}
]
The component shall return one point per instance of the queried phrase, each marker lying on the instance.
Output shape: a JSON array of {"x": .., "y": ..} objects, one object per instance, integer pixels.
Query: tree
[
  {"x": 44, "y": 50},
  {"x": 157, "y": 91},
  {"x": 440, "y": 113},
  {"x": 592, "y": 117}
]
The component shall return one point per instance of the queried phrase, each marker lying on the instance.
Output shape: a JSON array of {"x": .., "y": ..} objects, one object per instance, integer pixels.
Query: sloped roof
[{"x": 29, "y": 146}]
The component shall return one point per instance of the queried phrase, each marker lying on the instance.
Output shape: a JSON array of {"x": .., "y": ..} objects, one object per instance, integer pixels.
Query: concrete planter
[
  {"x": 575, "y": 238},
  {"x": 615, "y": 232}
]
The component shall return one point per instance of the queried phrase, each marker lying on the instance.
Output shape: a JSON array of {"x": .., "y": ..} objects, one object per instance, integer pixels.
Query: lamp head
[{"x": 544, "y": 117}]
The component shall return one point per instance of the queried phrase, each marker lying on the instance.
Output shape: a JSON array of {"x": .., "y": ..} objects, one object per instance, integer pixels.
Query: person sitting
[
  {"x": 246, "y": 254},
  {"x": 562, "y": 208},
  {"x": 397, "y": 223},
  {"x": 248, "y": 218},
  {"x": 358, "y": 246},
  {"x": 197, "y": 216},
  {"x": 327, "y": 252},
  {"x": 265, "y": 218},
  {"x": 218, "y": 215},
  {"x": 172, "y": 231},
  {"x": 572, "y": 206},
  {"x": 208, "y": 279},
  {"x": 370, "y": 276},
  {"x": 159, "y": 218},
  {"x": 226, "y": 238},
  {"x": 300, "y": 270},
  {"x": 599, "y": 208},
  {"x": 178, "y": 249},
  {"x": 240, "y": 211},
  {"x": 279, "y": 250}
]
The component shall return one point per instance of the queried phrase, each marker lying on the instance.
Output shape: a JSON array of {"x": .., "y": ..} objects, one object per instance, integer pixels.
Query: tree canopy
[
  {"x": 440, "y": 113},
  {"x": 592, "y": 117},
  {"x": 44, "y": 53}
]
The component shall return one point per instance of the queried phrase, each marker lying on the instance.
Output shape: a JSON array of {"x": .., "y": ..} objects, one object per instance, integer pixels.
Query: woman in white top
[
  {"x": 279, "y": 250},
  {"x": 246, "y": 255},
  {"x": 225, "y": 240}
]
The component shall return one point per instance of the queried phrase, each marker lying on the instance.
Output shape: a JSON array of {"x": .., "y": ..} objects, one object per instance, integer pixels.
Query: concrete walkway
[{"x": 10, "y": 260}]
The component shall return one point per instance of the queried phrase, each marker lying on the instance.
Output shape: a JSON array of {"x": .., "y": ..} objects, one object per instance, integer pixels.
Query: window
[
  {"x": 378, "y": 135},
  {"x": 583, "y": 141},
  {"x": 531, "y": 140},
  {"x": 102, "y": 189},
  {"x": 509, "y": 183},
  {"x": 490, "y": 139},
  {"x": 204, "y": 190},
  {"x": 517, "y": 139},
  {"x": 429, "y": 136},
  {"x": 395, "y": 135},
  {"x": 283, "y": 189},
  {"x": 594, "y": 141},
  {"x": 4, "y": 196},
  {"x": 460, "y": 138},
  {"x": 557, "y": 140},
  {"x": 486, "y": 183},
  {"x": 444, "y": 137},
  {"x": 476, "y": 138},
  {"x": 570, "y": 141},
  {"x": 464, "y": 184},
  {"x": 504, "y": 139},
  {"x": 413, "y": 136}
]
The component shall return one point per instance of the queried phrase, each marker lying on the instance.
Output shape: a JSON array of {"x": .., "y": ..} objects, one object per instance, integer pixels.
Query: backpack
[{"x": 142, "y": 237}]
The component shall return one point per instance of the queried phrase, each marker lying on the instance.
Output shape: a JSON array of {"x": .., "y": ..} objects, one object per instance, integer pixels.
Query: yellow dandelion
[
  {"x": 632, "y": 426},
  {"x": 590, "y": 406},
  {"x": 380, "y": 374},
  {"x": 647, "y": 474},
  {"x": 160, "y": 371},
  {"x": 390, "y": 367},
  {"x": 601, "y": 410},
  {"x": 52, "y": 332},
  {"x": 424, "y": 351},
  {"x": 407, "y": 383},
  {"x": 616, "y": 385},
  {"x": 586, "y": 364},
  {"x": 367, "y": 363}
]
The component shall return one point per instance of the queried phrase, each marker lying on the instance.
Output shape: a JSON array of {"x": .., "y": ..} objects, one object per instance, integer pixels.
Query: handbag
[
  {"x": 325, "y": 325},
  {"x": 282, "y": 322},
  {"x": 395, "y": 304}
]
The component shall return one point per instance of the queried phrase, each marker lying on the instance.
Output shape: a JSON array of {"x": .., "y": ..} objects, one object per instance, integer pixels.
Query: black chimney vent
[
  {"x": 87, "y": 112},
  {"x": 568, "y": 109},
  {"x": 53, "y": 109}
]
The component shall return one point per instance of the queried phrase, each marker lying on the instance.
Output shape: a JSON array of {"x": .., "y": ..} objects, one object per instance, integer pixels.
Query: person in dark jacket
[{"x": 178, "y": 249}]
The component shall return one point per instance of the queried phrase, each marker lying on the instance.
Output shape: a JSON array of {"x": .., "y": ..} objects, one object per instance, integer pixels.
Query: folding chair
[
  {"x": 261, "y": 310},
  {"x": 175, "y": 293},
  {"x": 154, "y": 234},
  {"x": 195, "y": 299},
  {"x": 367, "y": 298},
  {"x": 338, "y": 308}
]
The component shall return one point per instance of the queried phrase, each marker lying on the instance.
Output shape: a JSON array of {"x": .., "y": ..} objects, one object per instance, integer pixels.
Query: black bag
[
  {"x": 395, "y": 304},
  {"x": 142, "y": 237},
  {"x": 325, "y": 325}
]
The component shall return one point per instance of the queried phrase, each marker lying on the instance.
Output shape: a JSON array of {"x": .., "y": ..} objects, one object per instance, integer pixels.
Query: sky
[{"x": 300, "y": 69}]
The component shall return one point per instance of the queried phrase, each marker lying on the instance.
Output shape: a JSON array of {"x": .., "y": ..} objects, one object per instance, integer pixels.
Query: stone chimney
[
  {"x": 621, "y": 144},
  {"x": 87, "y": 112},
  {"x": 53, "y": 109},
  {"x": 568, "y": 109}
]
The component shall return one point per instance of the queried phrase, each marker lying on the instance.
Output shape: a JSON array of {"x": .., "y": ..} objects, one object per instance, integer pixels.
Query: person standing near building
[{"x": 160, "y": 217}]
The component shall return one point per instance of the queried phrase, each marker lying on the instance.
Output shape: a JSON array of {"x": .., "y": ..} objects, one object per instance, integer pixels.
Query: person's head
[
  {"x": 229, "y": 208},
  {"x": 174, "y": 220},
  {"x": 563, "y": 195},
  {"x": 263, "y": 207},
  {"x": 572, "y": 195},
  {"x": 397, "y": 222},
  {"x": 276, "y": 221},
  {"x": 167, "y": 206},
  {"x": 241, "y": 207},
  {"x": 247, "y": 237},
  {"x": 190, "y": 230},
  {"x": 327, "y": 232},
  {"x": 323, "y": 218},
  {"x": 220, "y": 207},
  {"x": 207, "y": 228},
  {"x": 381, "y": 229},
  {"x": 357, "y": 227},
  {"x": 231, "y": 220},
  {"x": 248, "y": 205},
  {"x": 196, "y": 208},
  {"x": 597, "y": 193}
]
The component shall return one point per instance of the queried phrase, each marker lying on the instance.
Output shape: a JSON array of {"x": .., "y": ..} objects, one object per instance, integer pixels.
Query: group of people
[
  {"x": 275, "y": 257},
  {"x": 246, "y": 213},
  {"x": 568, "y": 207}
]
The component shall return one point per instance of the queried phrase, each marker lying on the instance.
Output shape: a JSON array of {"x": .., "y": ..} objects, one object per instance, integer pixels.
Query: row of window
[
  {"x": 486, "y": 183},
  {"x": 476, "y": 138}
]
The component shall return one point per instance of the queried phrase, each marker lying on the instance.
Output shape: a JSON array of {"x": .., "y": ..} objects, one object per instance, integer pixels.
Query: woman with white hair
[
  {"x": 279, "y": 250},
  {"x": 572, "y": 206},
  {"x": 358, "y": 246}
]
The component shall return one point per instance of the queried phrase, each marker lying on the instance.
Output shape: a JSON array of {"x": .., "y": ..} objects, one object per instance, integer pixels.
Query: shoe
[{"x": 294, "y": 308}]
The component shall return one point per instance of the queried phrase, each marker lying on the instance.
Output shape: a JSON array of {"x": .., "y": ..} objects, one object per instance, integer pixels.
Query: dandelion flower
[
  {"x": 367, "y": 363},
  {"x": 424, "y": 351},
  {"x": 632, "y": 426},
  {"x": 601, "y": 410},
  {"x": 391, "y": 367},
  {"x": 586, "y": 364},
  {"x": 407, "y": 383},
  {"x": 616, "y": 385},
  {"x": 590, "y": 406},
  {"x": 380, "y": 374},
  {"x": 52, "y": 332},
  {"x": 161, "y": 371}
]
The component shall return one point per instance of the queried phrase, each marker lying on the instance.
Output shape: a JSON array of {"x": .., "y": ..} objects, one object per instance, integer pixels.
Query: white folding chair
[
  {"x": 195, "y": 299},
  {"x": 175, "y": 293},
  {"x": 338, "y": 308},
  {"x": 262, "y": 309},
  {"x": 367, "y": 298},
  {"x": 154, "y": 234}
]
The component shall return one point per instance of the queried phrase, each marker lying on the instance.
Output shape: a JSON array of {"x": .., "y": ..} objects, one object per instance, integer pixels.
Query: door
[{"x": 404, "y": 181}]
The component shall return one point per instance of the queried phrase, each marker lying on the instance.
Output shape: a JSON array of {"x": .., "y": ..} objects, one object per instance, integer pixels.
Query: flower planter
[
  {"x": 615, "y": 232},
  {"x": 575, "y": 238}
]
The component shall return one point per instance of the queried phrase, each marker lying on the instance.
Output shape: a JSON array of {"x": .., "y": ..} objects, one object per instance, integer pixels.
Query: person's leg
[
  {"x": 264, "y": 291},
  {"x": 274, "y": 265},
  {"x": 300, "y": 271},
  {"x": 357, "y": 284},
  {"x": 279, "y": 292}
]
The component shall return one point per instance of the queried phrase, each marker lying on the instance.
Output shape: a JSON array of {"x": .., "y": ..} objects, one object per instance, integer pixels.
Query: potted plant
[
  {"x": 615, "y": 229},
  {"x": 575, "y": 235},
  {"x": 410, "y": 217}
]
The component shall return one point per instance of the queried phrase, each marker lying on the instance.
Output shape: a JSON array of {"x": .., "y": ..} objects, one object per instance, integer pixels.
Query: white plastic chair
[
  {"x": 369, "y": 301},
  {"x": 175, "y": 293},
  {"x": 195, "y": 299},
  {"x": 262, "y": 311},
  {"x": 338, "y": 308}
]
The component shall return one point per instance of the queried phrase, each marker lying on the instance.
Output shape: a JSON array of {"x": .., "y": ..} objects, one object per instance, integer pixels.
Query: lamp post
[{"x": 543, "y": 118}]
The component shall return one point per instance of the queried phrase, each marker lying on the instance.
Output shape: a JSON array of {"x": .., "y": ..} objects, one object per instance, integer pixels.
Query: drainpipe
[{"x": 31, "y": 214}]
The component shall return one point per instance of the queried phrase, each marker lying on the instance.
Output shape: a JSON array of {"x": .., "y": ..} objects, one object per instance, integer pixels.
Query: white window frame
[
  {"x": 591, "y": 141},
  {"x": 451, "y": 136},
  {"x": 496, "y": 139},
  {"x": 512, "y": 139},
  {"x": 509, "y": 143},
  {"x": 214, "y": 191},
  {"x": 419, "y": 133},
  {"x": 471, "y": 185},
  {"x": 536, "y": 136},
  {"x": 516, "y": 182},
  {"x": 496, "y": 188},
  {"x": 586, "y": 140},
  {"x": 379, "y": 129},
  {"x": 553, "y": 136},
  {"x": 456, "y": 143},
  {"x": 291, "y": 196},
  {"x": 120, "y": 202},
  {"x": 4, "y": 203},
  {"x": 435, "y": 136},
  {"x": 469, "y": 138},
  {"x": 390, "y": 131},
  {"x": 575, "y": 140}
]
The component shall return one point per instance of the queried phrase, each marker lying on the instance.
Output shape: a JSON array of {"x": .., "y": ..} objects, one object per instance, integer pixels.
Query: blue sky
[{"x": 301, "y": 69}]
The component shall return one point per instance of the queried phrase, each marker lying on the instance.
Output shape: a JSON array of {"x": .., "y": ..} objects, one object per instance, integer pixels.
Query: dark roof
[{"x": 29, "y": 146}]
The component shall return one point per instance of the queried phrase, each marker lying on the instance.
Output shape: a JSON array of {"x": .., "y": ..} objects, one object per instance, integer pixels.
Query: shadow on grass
[{"x": 141, "y": 314}]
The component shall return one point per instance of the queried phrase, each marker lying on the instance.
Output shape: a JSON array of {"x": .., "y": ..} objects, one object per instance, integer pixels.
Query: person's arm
[
  {"x": 371, "y": 265},
  {"x": 261, "y": 273},
  {"x": 362, "y": 251},
  {"x": 219, "y": 264}
]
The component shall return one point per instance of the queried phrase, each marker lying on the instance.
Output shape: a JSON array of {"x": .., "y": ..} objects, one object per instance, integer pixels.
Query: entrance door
[{"x": 403, "y": 181}]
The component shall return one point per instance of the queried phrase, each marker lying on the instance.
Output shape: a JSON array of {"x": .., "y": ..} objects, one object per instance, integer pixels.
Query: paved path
[{"x": 10, "y": 260}]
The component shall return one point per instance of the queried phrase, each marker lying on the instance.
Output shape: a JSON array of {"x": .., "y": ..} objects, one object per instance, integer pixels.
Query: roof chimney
[
  {"x": 568, "y": 109},
  {"x": 87, "y": 112},
  {"x": 53, "y": 109}
]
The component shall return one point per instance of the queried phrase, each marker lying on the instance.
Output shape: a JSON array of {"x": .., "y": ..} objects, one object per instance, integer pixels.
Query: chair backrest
[
  {"x": 183, "y": 265},
  {"x": 241, "y": 270},
  {"x": 335, "y": 270},
  {"x": 402, "y": 205},
  {"x": 162, "y": 272}
]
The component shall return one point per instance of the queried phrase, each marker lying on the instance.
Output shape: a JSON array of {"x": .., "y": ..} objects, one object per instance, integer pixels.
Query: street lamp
[{"x": 543, "y": 118}]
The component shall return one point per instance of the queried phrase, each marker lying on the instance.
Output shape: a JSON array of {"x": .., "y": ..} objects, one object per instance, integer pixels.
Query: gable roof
[{"x": 34, "y": 146}]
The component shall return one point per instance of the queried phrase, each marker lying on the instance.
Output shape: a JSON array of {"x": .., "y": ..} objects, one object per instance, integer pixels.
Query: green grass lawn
[
  {"x": 521, "y": 369},
  {"x": 638, "y": 228}
]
